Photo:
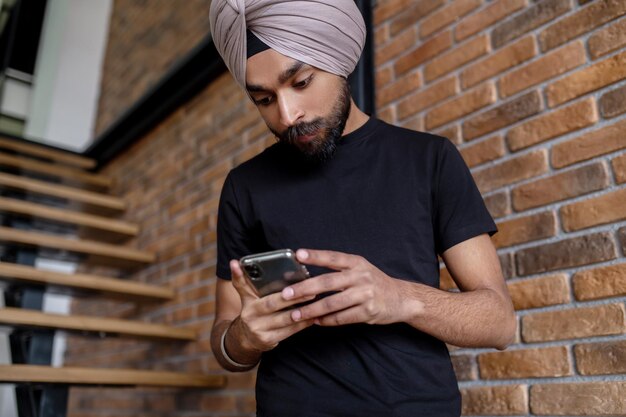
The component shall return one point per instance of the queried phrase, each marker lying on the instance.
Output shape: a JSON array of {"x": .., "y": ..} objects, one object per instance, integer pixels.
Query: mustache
[{"x": 302, "y": 129}]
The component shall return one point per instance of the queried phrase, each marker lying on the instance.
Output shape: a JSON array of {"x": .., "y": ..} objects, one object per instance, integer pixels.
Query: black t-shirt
[{"x": 394, "y": 196}]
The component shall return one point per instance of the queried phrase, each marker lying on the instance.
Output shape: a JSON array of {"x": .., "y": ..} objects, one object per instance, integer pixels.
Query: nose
[{"x": 290, "y": 110}]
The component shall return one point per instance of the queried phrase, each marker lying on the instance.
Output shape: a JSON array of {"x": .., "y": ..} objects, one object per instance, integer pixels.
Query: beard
[{"x": 327, "y": 131}]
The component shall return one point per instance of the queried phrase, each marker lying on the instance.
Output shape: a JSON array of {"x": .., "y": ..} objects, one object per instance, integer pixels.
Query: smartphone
[{"x": 270, "y": 272}]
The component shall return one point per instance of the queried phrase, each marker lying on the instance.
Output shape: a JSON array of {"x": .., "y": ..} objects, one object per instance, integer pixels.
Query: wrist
[
  {"x": 227, "y": 357},
  {"x": 235, "y": 348}
]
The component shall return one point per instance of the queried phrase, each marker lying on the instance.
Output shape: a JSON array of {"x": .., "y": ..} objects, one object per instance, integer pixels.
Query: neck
[{"x": 356, "y": 119}]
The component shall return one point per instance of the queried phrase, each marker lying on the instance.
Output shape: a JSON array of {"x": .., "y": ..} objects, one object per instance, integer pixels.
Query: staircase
[{"x": 52, "y": 205}]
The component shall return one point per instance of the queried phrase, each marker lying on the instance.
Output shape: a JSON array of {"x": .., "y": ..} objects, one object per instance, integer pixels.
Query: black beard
[{"x": 329, "y": 130}]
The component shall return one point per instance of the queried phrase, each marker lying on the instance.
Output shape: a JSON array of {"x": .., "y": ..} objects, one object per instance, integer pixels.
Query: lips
[{"x": 307, "y": 138}]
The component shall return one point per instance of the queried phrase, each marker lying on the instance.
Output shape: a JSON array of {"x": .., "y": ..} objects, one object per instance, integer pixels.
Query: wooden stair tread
[
  {"x": 98, "y": 200},
  {"x": 86, "y": 221},
  {"x": 84, "y": 282},
  {"x": 46, "y": 153},
  {"x": 55, "y": 170},
  {"x": 111, "y": 377},
  {"x": 31, "y": 318},
  {"x": 114, "y": 255}
]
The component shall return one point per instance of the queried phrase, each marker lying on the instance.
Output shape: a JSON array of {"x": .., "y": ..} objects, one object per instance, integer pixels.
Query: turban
[{"x": 326, "y": 34}]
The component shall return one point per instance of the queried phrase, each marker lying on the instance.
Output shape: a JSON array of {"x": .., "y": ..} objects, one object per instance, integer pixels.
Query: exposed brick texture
[
  {"x": 504, "y": 115},
  {"x": 567, "y": 253},
  {"x": 607, "y": 208},
  {"x": 599, "y": 142},
  {"x": 589, "y": 79},
  {"x": 559, "y": 187},
  {"x": 590, "y": 398},
  {"x": 508, "y": 172},
  {"x": 580, "y": 22},
  {"x": 608, "y": 39},
  {"x": 531, "y": 91},
  {"x": 603, "y": 282},
  {"x": 529, "y": 19},
  {"x": 527, "y": 363},
  {"x": 564, "y": 120},
  {"x": 540, "y": 292},
  {"x": 613, "y": 103},
  {"x": 504, "y": 400},
  {"x": 542, "y": 69},
  {"x": 565, "y": 324},
  {"x": 491, "y": 14},
  {"x": 525, "y": 229},
  {"x": 619, "y": 168},
  {"x": 500, "y": 61},
  {"x": 483, "y": 151},
  {"x": 601, "y": 358}
]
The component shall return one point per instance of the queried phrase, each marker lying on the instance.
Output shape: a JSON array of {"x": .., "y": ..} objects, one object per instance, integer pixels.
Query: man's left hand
[{"x": 362, "y": 293}]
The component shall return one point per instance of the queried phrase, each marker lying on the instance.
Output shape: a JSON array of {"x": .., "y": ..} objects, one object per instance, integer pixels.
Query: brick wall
[
  {"x": 533, "y": 93},
  {"x": 146, "y": 37}
]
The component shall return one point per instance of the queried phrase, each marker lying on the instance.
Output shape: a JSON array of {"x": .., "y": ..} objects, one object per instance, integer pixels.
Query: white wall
[{"x": 68, "y": 71}]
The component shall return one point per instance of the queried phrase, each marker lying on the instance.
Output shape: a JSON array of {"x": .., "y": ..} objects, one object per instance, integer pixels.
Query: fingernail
[
  {"x": 317, "y": 322},
  {"x": 302, "y": 254},
  {"x": 296, "y": 315},
  {"x": 288, "y": 293}
]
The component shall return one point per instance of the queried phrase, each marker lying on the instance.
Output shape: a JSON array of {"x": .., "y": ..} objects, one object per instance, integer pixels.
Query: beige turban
[{"x": 327, "y": 34}]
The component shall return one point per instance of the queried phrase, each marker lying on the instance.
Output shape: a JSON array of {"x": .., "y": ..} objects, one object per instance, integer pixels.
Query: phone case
[{"x": 270, "y": 272}]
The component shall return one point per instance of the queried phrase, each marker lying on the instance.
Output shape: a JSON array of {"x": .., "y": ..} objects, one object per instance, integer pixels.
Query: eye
[
  {"x": 265, "y": 101},
  {"x": 304, "y": 83}
]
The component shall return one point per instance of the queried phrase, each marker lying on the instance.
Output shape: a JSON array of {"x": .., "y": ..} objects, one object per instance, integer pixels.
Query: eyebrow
[{"x": 282, "y": 77}]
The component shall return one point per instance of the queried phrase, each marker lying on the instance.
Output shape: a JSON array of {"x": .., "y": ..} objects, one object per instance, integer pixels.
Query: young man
[{"x": 369, "y": 206}]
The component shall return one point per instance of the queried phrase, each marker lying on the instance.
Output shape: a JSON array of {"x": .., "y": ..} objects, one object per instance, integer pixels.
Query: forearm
[
  {"x": 232, "y": 346},
  {"x": 479, "y": 318}
]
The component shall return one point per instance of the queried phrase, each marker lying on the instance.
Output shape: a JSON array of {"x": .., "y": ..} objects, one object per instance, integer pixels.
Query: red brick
[
  {"x": 587, "y": 398},
  {"x": 601, "y": 358},
  {"x": 388, "y": 8},
  {"x": 607, "y": 208},
  {"x": 542, "y": 69},
  {"x": 398, "y": 88},
  {"x": 414, "y": 123},
  {"x": 395, "y": 47},
  {"x": 589, "y": 79},
  {"x": 461, "y": 55},
  {"x": 498, "y": 204},
  {"x": 504, "y": 115},
  {"x": 525, "y": 229},
  {"x": 507, "y": 264},
  {"x": 381, "y": 35},
  {"x": 498, "y": 400},
  {"x": 581, "y": 22},
  {"x": 511, "y": 171},
  {"x": 561, "y": 186},
  {"x": 600, "y": 320},
  {"x": 568, "y": 253},
  {"x": 527, "y": 363},
  {"x": 464, "y": 367},
  {"x": 460, "y": 106},
  {"x": 589, "y": 145},
  {"x": 619, "y": 168},
  {"x": 547, "y": 126},
  {"x": 540, "y": 292},
  {"x": 447, "y": 15},
  {"x": 418, "y": 10},
  {"x": 613, "y": 103},
  {"x": 603, "y": 282},
  {"x": 383, "y": 77},
  {"x": 528, "y": 20},
  {"x": 423, "y": 53},
  {"x": 484, "y": 151},
  {"x": 388, "y": 114},
  {"x": 427, "y": 97},
  {"x": 452, "y": 132},
  {"x": 500, "y": 61},
  {"x": 491, "y": 14},
  {"x": 608, "y": 39}
]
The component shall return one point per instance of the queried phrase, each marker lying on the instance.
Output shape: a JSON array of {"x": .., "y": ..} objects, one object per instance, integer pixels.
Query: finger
[
  {"x": 334, "y": 281},
  {"x": 327, "y": 305},
  {"x": 338, "y": 261},
  {"x": 240, "y": 282},
  {"x": 349, "y": 316},
  {"x": 273, "y": 303}
]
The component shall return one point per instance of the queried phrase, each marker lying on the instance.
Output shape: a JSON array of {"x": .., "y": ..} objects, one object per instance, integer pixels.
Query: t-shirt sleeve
[
  {"x": 460, "y": 211},
  {"x": 234, "y": 238}
]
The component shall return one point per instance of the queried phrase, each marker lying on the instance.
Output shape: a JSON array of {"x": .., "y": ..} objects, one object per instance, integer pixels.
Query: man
[{"x": 370, "y": 206}]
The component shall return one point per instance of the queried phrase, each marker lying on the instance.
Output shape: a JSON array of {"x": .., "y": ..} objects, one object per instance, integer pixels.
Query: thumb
[{"x": 240, "y": 282}]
